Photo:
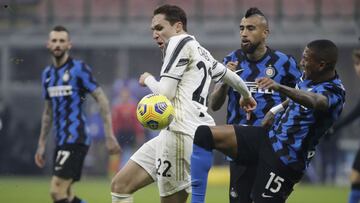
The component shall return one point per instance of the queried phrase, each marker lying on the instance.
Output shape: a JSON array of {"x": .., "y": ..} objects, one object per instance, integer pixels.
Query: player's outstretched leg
[
  {"x": 355, "y": 187},
  {"x": 201, "y": 162},
  {"x": 206, "y": 139},
  {"x": 59, "y": 188},
  {"x": 128, "y": 180}
]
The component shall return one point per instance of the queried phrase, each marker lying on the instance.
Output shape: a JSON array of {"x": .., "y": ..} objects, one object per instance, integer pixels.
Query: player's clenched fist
[
  {"x": 232, "y": 65},
  {"x": 248, "y": 104},
  {"x": 143, "y": 77},
  {"x": 267, "y": 83}
]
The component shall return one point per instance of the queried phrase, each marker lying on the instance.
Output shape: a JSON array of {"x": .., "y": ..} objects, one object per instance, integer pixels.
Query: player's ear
[
  {"x": 70, "y": 45},
  {"x": 179, "y": 27},
  {"x": 322, "y": 65},
  {"x": 48, "y": 44},
  {"x": 266, "y": 32}
]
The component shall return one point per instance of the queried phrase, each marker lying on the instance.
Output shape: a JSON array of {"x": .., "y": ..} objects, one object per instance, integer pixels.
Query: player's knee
[
  {"x": 204, "y": 138},
  {"x": 355, "y": 177},
  {"x": 121, "y": 187},
  {"x": 59, "y": 188},
  {"x": 57, "y": 194}
]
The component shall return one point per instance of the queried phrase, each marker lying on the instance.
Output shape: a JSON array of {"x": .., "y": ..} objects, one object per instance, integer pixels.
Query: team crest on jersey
[
  {"x": 66, "y": 76},
  {"x": 270, "y": 71}
]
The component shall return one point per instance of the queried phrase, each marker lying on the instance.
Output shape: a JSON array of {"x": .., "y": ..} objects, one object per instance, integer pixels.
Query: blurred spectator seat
[
  {"x": 299, "y": 9},
  {"x": 141, "y": 8},
  {"x": 337, "y": 8},
  {"x": 19, "y": 13},
  {"x": 268, "y": 7},
  {"x": 219, "y": 9},
  {"x": 106, "y": 9},
  {"x": 188, "y": 5},
  {"x": 69, "y": 9}
]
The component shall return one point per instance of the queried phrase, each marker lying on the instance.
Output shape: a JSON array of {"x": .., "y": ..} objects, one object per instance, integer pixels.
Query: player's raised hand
[
  {"x": 232, "y": 65},
  {"x": 248, "y": 104},
  {"x": 39, "y": 156},
  {"x": 143, "y": 77},
  {"x": 267, "y": 83},
  {"x": 112, "y": 145}
]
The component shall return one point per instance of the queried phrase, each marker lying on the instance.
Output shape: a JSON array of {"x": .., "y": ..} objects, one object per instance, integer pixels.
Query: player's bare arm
[
  {"x": 307, "y": 99},
  {"x": 218, "y": 96},
  {"x": 46, "y": 123},
  {"x": 101, "y": 99},
  {"x": 269, "y": 117}
]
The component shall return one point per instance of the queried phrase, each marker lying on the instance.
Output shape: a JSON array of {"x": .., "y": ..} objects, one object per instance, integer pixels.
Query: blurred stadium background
[{"x": 114, "y": 37}]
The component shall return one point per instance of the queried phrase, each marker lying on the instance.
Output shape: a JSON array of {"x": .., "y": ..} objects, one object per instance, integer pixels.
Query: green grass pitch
[{"x": 97, "y": 190}]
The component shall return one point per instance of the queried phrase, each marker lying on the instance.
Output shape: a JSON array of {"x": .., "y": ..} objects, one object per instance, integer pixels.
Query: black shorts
[
  {"x": 274, "y": 180},
  {"x": 241, "y": 182},
  {"x": 68, "y": 161},
  {"x": 356, "y": 163}
]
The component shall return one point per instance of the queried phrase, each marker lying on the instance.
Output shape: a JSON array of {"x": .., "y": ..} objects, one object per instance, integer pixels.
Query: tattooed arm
[
  {"x": 111, "y": 142},
  {"x": 46, "y": 123}
]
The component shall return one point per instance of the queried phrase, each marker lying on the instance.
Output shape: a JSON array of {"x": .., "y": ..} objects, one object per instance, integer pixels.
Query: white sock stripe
[
  {"x": 121, "y": 198},
  {"x": 114, "y": 194}
]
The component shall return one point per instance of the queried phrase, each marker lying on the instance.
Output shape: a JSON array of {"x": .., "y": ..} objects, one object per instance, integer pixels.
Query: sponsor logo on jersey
[
  {"x": 253, "y": 88},
  {"x": 60, "y": 91}
]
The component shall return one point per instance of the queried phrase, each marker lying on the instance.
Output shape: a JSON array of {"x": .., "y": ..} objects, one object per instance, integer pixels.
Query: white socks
[{"x": 121, "y": 198}]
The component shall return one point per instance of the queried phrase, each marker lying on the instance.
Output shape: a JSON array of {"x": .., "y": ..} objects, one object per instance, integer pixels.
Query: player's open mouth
[
  {"x": 245, "y": 42},
  {"x": 160, "y": 44}
]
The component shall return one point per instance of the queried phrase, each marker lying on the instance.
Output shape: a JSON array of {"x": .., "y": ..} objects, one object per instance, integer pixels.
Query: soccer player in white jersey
[{"x": 186, "y": 73}]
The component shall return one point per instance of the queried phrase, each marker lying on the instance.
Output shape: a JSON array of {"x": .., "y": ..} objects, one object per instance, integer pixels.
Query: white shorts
[{"x": 167, "y": 159}]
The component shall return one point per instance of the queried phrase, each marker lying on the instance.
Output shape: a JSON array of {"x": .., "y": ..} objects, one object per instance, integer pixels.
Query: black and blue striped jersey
[
  {"x": 299, "y": 129},
  {"x": 66, "y": 87},
  {"x": 278, "y": 66}
]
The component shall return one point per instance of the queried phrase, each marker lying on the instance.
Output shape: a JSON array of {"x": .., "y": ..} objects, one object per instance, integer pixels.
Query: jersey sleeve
[
  {"x": 292, "y": 73},
  {"x": 218, "y": 71},
  {"x": 230, "y": 57},
  {"x": 45, "y": 78},
  {"x": 86, "y": 78},
  {"x": 177, "y": 58},
  {"x": 335, "y": 95}
]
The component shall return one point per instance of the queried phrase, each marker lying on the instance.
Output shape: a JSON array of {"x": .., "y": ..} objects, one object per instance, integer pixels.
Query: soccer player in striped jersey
[
  {"x": 253, "y": 60},
  {"x": 65, "y": 85},
  {"x": 185, "y": 77},
  {"x": 281, "y": 154}
]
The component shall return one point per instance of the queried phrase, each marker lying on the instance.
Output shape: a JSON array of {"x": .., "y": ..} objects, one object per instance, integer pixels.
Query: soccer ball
[{"x": 155, "y": 111}]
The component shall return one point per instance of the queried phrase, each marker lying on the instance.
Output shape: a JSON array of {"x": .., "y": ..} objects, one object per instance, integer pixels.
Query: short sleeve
[
  {"x": 218, "y": 71},
  {"x": 45, "y": 79},
  {"x": 334, "y": 93},
  {"x": 177, "y": 58},
  {"x": 87, "y": 80},
  {"x": 292, "y": 73}
]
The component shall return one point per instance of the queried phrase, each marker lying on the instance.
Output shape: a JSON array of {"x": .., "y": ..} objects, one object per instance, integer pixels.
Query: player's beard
[
  {"x": 250, "y": 48},
  {"x": 60, "y": 55}
]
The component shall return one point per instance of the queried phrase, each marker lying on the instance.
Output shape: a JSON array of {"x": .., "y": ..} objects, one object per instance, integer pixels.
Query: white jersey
[{"x": 194, "y": 67}]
